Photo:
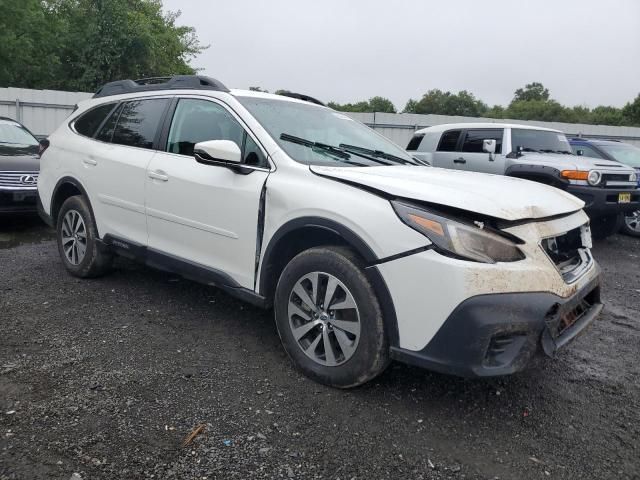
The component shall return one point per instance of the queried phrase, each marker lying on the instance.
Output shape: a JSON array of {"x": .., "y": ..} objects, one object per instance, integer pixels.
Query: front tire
[
  {"x": 329, "y": 318},
  {"x": 77, "y": 237},
  {"x": 631, "y": 224}
]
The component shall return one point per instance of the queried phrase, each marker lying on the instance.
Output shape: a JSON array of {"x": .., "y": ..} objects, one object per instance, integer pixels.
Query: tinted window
[
  {"x": 448, "y": 141},
  {"x": 251, "y": 153},
  {"x": 106, "y": 131},
  {"x": 138, "y": 122},
  {"x": 200, "y": 120},
  {"x": 414, "y": 143},
  {"x": 88, "y": 123},
  {"x": 473, "y": 140},
  {"x": 587, "y": 151}
]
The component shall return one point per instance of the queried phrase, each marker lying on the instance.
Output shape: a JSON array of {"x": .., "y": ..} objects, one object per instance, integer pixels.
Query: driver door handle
[
  {"x": 459, "y": 160},
  {"x": 158, "y": 175}
]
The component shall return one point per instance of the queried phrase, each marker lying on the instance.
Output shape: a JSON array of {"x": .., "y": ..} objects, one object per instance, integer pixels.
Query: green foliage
[
  {"x": 531, "y": 91},
  {"x": 446, "y": 103},
  {"x": 631, "y": 112},
  {"x": 374, "y": 104},
  {"x": 82, "y": 44},
  {"x": 258, "y": 89}
]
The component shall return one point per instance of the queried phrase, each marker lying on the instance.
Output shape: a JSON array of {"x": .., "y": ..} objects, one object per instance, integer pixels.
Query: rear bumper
[
  {"x": 18, "y": 201},
  {"x": 604, "y": 201},
  {"x": 499, "y": 334}
]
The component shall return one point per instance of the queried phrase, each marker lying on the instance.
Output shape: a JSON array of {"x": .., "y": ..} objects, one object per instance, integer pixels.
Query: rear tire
[
  {"x": 341, "y": 343},
  {"x": 631, "y": 224},
  {"x": 77, "y": 237},
  {"x": 603, "y": 227}
]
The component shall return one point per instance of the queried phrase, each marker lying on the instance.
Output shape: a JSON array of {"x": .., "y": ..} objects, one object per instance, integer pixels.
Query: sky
[{"x": 586, "y": 52}]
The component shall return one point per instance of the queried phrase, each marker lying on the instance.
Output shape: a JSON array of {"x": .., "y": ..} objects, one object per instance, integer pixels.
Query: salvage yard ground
[{"x": 105, "y": 378}]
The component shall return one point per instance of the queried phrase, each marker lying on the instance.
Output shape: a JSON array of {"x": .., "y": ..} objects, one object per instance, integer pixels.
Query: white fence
[
  {"x": 43, "y": 110},
  {"x": 399, "y": 127}
]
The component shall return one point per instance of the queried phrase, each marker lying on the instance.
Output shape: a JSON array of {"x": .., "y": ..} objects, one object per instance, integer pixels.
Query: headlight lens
[
  {"x": 633, "y": 177},
  {"x": 457, "y": 238},
  {"x": 594, "y": 177}
]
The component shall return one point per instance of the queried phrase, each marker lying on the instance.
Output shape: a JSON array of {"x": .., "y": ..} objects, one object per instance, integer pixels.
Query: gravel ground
[{"x": 105, "y": 378}]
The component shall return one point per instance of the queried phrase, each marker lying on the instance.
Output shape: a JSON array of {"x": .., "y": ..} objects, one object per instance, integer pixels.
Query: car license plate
[{"x": 624, "y": 198}]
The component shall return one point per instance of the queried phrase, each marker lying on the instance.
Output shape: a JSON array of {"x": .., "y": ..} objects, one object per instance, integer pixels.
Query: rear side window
[
  {"x": 448, "y": 141},
  {"x": 414, "y": 143},
  {"x": 138, "y": 122},
  {"x": 89, "y": 122},
  {"x": 473, "y": 140}
]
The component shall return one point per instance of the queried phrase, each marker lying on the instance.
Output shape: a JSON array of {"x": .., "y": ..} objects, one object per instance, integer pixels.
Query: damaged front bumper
[{"x": 499, "y": 334}]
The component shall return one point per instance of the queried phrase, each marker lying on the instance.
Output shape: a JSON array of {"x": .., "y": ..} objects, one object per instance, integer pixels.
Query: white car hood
[{"x": 492, "y": 195}]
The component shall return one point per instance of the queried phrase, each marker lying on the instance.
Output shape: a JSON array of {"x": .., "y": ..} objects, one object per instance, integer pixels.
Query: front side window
[
  {"x": 320, "y": 127},
  {"x": 587, "y": 151},
  {"x": 539, "y": 141},
  {"x": 474, "y": 138},
  {"x": 89, "y": 122},
  {"x": 449, "y": 141},
  {"x": 138, "y": 122},
  {"x": 197, "y": 121}
]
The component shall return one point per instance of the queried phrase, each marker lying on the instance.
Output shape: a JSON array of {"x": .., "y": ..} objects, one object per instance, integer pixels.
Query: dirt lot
[{"x": 104, "y": 379}]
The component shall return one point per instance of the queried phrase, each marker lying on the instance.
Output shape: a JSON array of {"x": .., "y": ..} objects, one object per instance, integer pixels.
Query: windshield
[
  {"x": 627, "y": 154},
  {"x": 539, "y": 141},
  {"x": 15, "y": 134},
  {"x": 324, "y": 127}
]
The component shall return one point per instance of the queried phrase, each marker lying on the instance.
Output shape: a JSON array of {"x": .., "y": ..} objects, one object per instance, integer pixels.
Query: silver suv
[{"x": 607, "y": 188}]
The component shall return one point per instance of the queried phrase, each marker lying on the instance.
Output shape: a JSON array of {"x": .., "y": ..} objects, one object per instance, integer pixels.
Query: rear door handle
[
  {"x": 459, "y": 160},
  {"x": 159, "y": 175},
  {"x": 89, "y": 161}
]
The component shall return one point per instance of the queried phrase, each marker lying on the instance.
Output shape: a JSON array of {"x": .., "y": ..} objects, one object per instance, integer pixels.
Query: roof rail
[
  {"x": 301, "y": 96},
  {"x": 176, "y": 82}
]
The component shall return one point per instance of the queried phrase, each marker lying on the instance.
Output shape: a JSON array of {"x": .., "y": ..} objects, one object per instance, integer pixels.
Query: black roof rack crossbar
[
  {"x": 177, "y": 82},
  {"x": 301, "y": 96}
]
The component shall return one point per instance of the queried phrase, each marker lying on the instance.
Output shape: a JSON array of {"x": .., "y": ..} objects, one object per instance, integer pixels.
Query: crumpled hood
[
  {"x": 496, "y": 196},
  {"x": 568, "y": 162}
]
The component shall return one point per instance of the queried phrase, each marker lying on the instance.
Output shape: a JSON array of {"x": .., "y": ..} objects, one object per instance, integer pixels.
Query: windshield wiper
[
  {"x": 375, "y": 153},
  {"x": 323, "y": 147}
]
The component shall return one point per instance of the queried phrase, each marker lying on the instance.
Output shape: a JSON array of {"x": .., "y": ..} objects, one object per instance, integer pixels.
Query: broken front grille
[{"x": 568, "y": 252}]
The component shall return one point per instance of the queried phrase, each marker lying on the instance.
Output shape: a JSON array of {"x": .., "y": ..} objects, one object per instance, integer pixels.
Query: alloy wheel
[
  {"x": 74, "y": 237},
  {"x": 633, "y": 221},
  {"x": 324, "y": 319}
]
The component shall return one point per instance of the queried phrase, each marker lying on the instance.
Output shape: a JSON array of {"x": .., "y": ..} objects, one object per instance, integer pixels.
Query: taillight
[{"x": 44, "y": 144}]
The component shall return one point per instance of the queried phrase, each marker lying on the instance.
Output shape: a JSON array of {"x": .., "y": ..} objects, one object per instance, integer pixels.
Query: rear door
[
  {"x": 116, "y": 168},
  {"x": 446, "y": 154},
  {"x": 475, "y": 158}
]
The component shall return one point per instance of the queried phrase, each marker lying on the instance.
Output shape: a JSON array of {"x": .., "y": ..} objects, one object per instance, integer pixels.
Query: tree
[
  {"x": 603, "y": 115},
  {"x": 446, "y": 103},
  {"x": 631, "y": 112},
  {"x": 531, "y": 91},
  {"x": 82, "y": 44},
  {"x": 258, "y": 89},
  {"x": 374, "y": 104}
]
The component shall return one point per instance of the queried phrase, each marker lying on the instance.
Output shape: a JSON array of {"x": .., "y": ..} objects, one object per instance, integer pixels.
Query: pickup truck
[{"x": 608, "y": 188}]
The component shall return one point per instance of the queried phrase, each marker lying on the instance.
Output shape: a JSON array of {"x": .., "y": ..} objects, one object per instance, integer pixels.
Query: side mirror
[
  {"x": 489, "y": 146},
  {"x": 217, "y": 151},
  {"x": 580, "y": 153}
]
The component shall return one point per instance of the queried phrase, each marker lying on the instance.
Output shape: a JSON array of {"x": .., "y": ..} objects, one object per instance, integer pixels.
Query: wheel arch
[
  {"x": 303, "y": 233},
  {"x": 65, "y": 188},
  {"x": 537, "y": 173}
]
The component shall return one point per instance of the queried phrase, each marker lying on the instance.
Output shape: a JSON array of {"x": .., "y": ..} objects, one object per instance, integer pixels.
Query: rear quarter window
[
  {"x": 138, "y": 122},
  {"x": 414, "y": 143},
  {"x": 88, "y": 122}
]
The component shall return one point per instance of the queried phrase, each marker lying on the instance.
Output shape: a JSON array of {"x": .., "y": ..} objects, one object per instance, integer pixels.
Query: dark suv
[
  {"x": 620, "y": 152},
  {"x": 19, "y": 167}
]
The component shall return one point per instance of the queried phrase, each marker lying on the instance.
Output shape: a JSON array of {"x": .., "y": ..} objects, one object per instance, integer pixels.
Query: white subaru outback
[{"x": 365, "y": 254}]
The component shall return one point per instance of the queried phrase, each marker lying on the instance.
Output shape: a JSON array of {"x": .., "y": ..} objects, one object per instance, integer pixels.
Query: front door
[{"x": 206, "y": 214}]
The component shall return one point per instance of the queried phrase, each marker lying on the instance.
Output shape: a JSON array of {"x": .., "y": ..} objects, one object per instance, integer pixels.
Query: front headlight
[
  {"x": 633, "y": 177},
  {"x": 460, "y": 239},
  {"x": 594, "y": 177}
]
